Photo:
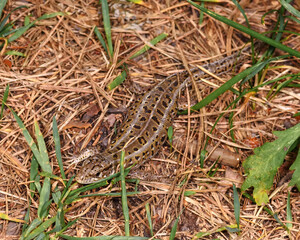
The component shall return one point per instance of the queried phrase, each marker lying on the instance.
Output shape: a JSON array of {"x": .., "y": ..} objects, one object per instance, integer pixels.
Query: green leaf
[
  {"x": 263, "y": 165},
  {"x": 296, "y": 175}
]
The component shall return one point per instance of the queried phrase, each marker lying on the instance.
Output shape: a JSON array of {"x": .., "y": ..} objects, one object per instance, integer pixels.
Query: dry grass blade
[{"x": 65, "y": 73}]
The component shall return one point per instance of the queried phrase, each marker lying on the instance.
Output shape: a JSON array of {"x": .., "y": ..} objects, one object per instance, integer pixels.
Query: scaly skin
[{"x": 145, "y": 129}]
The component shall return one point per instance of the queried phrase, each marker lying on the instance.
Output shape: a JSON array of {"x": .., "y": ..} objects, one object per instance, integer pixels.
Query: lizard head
[
  {"x": 94, "y": 169},
  {"x": 95, "y": 166}
]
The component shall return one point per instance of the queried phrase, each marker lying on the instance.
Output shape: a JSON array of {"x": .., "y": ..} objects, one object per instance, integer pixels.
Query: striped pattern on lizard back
[{"x": 145, "y": 129}]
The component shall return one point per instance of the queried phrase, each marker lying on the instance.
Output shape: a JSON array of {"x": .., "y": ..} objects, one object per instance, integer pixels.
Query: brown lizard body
[{"x": 146, "y": 126}]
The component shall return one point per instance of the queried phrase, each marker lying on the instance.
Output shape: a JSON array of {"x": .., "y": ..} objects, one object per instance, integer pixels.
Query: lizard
[{"x": 145, "y": 129}]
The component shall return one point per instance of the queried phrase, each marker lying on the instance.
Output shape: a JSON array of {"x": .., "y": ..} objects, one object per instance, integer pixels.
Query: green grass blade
[
  {"x": 67, "y": 189},
  {"x": 201, "y": 16},
  {"x": 7, "y": 30},
  {"x": 15, "y": 53},
  {"x": 121, "y": 78},
  {"x": 41, "y": 228},
  {"x": 289, "y": 216},
  {"x": 44, "y": 198},
  {"x": 33, "y": 225},
  {"x": 124, "y": 196},
  {"x": 105, "y": 238},
  {"x": 42, "y": 148},
  {"x": 33, "y": 173},
  {"x": 38, "y": 184},
  {"x": 5, "y": 96},
  {"x": 56, "y": 196},
  {"x": 247, "y": 74},
  {"x": 26, "y": 20},
  {"x": 68, "y": 225},
  {"x": 170, "y": 136},
  {"x": 236, "y": 204},
  {"x": 149, "y": 218},
  {"x": 268, "y": 210},
  {"x": 52, "y": 176},
  {"x": 20, "y": 31},
  {"x": 58, "y": 148},
  {"x": 266, "y": 14},
  {"x": 42, "y": 236},
  {"x": 290, "y": 8},
  {"x": 110, "y": 194},
  {"x": 242, "y": 11},
  {"x": 26, "y": 219},
  {"x": 101, "y": 39},
  {"x": 118, "y": 80},
  {"x": 3, "y": 22},
  {"x": 29, "y": 141},
  {"x": 23, "y": 29},
  {"x": 153, "y": 42},
  {"x": 294, "y": 19},
  {"x": 60, "y": 218},
  {"x": 284, "y": 84},
  {"x": 50, "y": 15},
  {"x": 247, "y": 30},
  {"x": 107, "y": 27},
  {"x": 212, "y": 171},
  {"x": 9, "y": 218},
  {"x": 2, "y": 5},
  {"x": 71, "y": 199},
  {"x": 174, "y": 228}
]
